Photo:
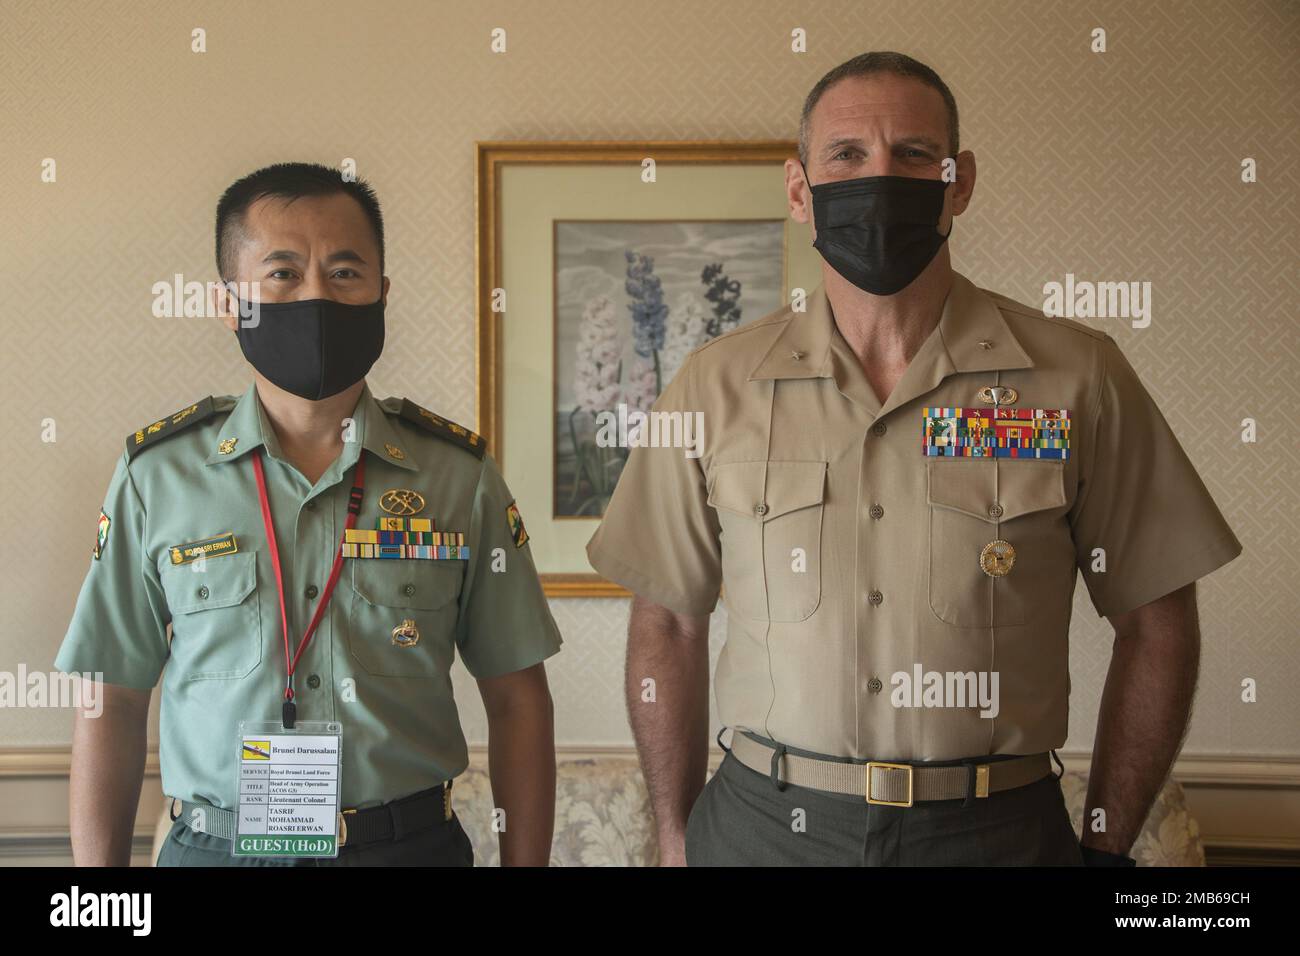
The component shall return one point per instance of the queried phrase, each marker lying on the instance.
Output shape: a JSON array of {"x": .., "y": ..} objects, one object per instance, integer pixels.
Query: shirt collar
[
  {"x": 247, "y": 428},
  {"x": 972, "y": 336}
]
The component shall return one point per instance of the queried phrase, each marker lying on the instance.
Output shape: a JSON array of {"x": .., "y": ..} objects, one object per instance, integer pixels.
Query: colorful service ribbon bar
[
  {"x": 405, "y": 524},
  {"x": 997, "y": 432},
  {"x": 399, "y": 544}
]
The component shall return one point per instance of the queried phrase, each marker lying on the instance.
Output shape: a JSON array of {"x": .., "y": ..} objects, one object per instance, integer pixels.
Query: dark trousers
[
  {"x": 444, "y": 844},
  {"x": 742, "y": 819}
]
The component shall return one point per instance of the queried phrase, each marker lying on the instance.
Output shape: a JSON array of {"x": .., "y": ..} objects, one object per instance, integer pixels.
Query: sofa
[{"x": 602, "y": 817}]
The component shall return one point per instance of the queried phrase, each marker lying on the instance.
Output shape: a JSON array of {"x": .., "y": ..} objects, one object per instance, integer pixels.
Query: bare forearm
[
  {"x": 521, "y": 761},
  {"x": 1144, "y": 714},
  {"x": 667, "y": 687},
  {"x": 108, "y": 754}
]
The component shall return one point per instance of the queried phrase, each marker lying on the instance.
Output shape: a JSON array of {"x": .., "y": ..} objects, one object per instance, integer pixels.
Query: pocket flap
[
  {"x": 791, "y": 485},
  {"x": 409, "y": 582},
  {"x": 973, "y": 485},
  {"x": 224, "y": 582}
]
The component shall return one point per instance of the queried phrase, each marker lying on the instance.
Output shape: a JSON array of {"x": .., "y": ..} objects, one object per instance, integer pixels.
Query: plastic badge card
[{"x": 288, "y": 789}]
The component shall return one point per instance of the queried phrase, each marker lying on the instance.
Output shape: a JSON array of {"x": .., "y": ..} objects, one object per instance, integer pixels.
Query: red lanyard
[{"x": 290, "y": 709}]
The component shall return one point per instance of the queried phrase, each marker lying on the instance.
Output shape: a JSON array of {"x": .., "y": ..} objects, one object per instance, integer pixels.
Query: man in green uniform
[{"x": 309, "y": 556}]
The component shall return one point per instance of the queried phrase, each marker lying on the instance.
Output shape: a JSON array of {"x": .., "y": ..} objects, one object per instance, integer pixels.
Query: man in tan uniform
[{"x": 899, "y": 484}]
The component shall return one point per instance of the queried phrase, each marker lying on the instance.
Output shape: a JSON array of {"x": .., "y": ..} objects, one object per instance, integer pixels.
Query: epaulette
[
  {"x": 444, "y": 429},
  {"x": 171, "y": 425}
]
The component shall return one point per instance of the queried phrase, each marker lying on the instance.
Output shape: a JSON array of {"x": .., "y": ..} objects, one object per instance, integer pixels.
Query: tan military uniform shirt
[{"x": 847, "y": 555}]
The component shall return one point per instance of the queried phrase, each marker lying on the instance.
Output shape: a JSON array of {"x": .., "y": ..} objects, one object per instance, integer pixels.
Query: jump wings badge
[{"x": 517, "y": 532}]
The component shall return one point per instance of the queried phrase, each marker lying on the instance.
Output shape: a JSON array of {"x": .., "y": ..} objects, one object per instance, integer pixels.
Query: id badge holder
[{"x": 288, "y": 789}]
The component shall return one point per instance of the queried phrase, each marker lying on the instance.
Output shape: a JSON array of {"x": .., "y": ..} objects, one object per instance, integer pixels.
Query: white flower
[
  {"x": 595, "y": 384},
  {"x": 641, "y": 385},
  {"x": 687, "y": 330}
]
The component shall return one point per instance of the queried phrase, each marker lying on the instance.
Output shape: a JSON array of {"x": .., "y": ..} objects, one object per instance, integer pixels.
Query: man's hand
[
  {"x": 672, "y": 730},
  {"x": 108, "y": 754},
  {"x": 1144, "y": 713},
  {"x": 521, "y": 762}
]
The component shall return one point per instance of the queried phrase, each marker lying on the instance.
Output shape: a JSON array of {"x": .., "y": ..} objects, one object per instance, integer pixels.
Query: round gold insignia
[
  {"x": 227, "y": 446},
  {"x": 394, "y": 451},
  {"x": 997, "y": 557},
  {"x": 402, "y": 501}
]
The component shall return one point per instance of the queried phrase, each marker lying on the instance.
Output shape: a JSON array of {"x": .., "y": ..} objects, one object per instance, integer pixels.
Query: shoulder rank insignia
[
  {"x": 443, "y": 428},
  {"x": 166, "y": 427}
]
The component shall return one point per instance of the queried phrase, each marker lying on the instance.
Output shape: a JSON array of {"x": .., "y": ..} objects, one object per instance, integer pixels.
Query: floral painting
[{"x": 632, "y": 300}]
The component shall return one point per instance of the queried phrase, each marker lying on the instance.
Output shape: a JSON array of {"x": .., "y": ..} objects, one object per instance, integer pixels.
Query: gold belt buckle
[
  {"x": 343, "y": 828},
  {"x": 889, "y": 766}
]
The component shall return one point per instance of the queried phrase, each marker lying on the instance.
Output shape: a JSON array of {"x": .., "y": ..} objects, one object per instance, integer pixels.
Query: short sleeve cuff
[
  {"x": 77, "y": 661},
  {"x": 1131, "y": 591},
  {"x": 648, "y": 588},
  {"x": 522, "y": 659}
]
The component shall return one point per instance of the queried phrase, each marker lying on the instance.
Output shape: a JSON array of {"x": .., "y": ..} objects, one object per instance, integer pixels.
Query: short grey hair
[{"x": 870, "y": 64}]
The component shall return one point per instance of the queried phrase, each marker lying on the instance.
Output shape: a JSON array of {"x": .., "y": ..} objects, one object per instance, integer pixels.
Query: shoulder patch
[
  {"x": 151, "y": 434},
  {"x": 442, "y": 427}
]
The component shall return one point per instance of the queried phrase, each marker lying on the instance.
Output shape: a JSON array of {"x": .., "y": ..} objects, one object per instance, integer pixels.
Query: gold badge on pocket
[
  {"x": 406, "y": 634},
  {"x": 997, "y": 557},
  {"x": 402, "y": 501}
]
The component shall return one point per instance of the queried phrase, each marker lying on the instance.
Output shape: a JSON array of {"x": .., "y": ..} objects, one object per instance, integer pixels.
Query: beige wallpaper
[{"x": 1122, "y": 165}]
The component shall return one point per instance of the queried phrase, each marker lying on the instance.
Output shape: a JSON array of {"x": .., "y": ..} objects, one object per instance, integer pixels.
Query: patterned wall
[{"x": 1122, "y": 165}]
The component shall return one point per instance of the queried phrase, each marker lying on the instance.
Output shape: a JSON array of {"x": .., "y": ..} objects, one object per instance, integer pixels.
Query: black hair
[{"x": 289, "y": 181}]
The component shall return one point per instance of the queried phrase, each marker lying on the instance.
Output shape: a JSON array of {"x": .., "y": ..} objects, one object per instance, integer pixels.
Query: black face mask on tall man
[{"x": 878, "y": 232}]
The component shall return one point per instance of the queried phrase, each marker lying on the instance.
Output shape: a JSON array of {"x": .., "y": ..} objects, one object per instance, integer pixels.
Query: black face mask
[
  {"x": 879, "y": 232},
  {"x": 314, "y": 348}
]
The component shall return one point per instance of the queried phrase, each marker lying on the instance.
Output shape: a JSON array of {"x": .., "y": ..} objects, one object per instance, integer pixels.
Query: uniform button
[
  {"x": 875, "y": 597},
  {"x": 203, "y": 592},
  {"x": 313, "y": 681},
  {"x": 311, "y": 591},
  {"x": 311, "y": 505},
  {"x": 878, "y": 428},
  {"x": 874, "y": 685},
  {"x": 760, "y": 510},
  {"x": 409, "y": 590},
  {"x": 995, "y": 511},
  {"x": 876, "y": 511}
]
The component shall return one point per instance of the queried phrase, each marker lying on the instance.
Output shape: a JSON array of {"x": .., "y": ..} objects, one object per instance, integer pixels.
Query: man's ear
[
  {"x": 225, "y": 305},
  {"x": 796, "y": 192},
  {"x": 964, "y": 187}
]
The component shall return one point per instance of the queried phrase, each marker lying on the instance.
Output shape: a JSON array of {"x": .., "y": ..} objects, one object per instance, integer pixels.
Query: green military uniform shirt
[
  {"x": 848, "y": 555},
  {"x": 189, "y": 479}
]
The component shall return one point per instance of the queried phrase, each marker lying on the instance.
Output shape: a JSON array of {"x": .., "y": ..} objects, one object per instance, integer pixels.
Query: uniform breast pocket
[
  {"x": 216, "y": 618},
  {"x": 402, "y": 622},
  {"x": 771, "y": 518},
  {"x": 1000, "y": 548}
]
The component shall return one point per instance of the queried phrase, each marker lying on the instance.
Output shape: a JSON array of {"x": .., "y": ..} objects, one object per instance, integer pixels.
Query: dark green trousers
[
  {"x": 445, "y": 844},
  {"x": 742, "y": 819}
]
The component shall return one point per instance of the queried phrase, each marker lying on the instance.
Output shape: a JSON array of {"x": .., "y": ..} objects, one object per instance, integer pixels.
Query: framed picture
[{"x": 600, "y": 267}]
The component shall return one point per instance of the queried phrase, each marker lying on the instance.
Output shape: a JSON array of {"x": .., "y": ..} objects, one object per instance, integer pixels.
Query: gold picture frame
[{"x": 495, "y": 191}]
